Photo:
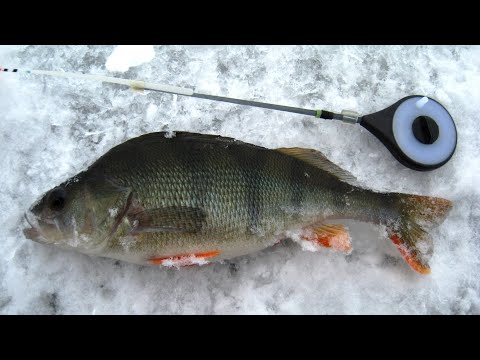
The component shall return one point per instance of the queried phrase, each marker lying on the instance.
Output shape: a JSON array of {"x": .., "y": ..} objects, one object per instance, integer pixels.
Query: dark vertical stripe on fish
[
  {"x": 296, "y": 184},
  {"x": 197, "y": 165},
  {"x": 252, "y": 168},
  {"x": 186, "y": 184},
  {"x": 254, "y": 190}
]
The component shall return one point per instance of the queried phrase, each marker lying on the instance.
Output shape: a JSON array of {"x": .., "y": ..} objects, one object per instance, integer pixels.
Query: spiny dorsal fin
[
  {"x": 179, "y": 136},
  {"x": 317, "y": 159}
]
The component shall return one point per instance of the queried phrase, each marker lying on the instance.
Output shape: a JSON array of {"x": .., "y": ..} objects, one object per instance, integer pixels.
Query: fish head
[{"x": 80, "y": 214}]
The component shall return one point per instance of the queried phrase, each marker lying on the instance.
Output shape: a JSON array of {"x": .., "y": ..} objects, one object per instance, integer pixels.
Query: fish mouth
[{"x": 33, "y": 232}]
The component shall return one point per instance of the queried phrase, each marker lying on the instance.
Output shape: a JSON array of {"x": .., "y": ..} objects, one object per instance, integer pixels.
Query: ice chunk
[
  {"x": 124, "y": 57},
  {"x": 113, "y": 212}
]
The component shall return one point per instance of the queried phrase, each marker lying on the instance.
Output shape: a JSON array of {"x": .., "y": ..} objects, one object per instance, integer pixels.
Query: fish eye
[{"x": 56, "y": 199}]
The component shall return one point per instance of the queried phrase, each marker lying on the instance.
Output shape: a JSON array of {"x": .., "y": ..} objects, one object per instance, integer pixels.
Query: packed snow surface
[{"x": 53, "y": 128}]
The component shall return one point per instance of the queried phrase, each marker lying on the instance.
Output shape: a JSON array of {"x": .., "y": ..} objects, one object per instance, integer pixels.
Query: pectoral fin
[{"x": 177, "y": 219}]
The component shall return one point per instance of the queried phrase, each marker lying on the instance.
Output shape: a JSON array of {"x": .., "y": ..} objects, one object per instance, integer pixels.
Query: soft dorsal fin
[{"x": 317, "y": 159}]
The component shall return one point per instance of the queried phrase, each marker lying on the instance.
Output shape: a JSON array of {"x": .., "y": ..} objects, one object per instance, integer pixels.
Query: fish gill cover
[{"x": 53, "y": 128}]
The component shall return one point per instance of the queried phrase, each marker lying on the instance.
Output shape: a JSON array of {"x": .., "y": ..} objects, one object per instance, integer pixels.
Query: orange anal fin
[
  {"x": 184, "y": 260},
  {"x": 331, "y": 236},
  {"x": 408, "y": 256}
]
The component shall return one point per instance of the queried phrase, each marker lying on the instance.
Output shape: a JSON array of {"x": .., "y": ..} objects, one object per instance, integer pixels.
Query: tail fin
[{"x": 418, "y": 214}]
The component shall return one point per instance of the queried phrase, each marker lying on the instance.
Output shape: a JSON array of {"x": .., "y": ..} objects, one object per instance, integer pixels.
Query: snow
[
  {"x": 126, "y": 56},
  {"x": 184, "y": 261},
  {"x": 113, "y": 212},
  {"x": 52, "y": 129}
]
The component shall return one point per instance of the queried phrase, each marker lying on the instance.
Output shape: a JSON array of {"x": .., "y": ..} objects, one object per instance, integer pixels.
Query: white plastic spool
[{"x": 425, "y": 154}]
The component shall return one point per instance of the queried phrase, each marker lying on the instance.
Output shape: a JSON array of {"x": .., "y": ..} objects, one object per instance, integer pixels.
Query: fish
[{"x": 181, "y": 199}]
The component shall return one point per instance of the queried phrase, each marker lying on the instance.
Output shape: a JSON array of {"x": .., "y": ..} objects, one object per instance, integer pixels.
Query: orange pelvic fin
[
  {"x": 331, "y": 236},
  {"x": 184, "y": 260}
]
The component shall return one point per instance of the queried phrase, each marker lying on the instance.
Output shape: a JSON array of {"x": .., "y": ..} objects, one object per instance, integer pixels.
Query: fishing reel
[{"x": 418, "y": 131}]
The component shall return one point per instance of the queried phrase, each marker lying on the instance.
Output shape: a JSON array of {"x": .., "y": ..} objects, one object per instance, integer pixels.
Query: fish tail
[{"x": 409, "y": 231}]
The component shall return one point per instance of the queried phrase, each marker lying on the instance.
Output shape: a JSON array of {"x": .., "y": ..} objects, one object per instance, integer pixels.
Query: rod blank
[{"x": 141, "y": 85}]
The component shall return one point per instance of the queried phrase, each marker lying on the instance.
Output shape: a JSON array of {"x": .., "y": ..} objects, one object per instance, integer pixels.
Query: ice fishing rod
[{"x": 417, "y": 130}]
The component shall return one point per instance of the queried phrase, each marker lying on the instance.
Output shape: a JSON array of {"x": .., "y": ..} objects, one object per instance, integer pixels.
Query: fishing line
[{"x": 417, "y": 130}]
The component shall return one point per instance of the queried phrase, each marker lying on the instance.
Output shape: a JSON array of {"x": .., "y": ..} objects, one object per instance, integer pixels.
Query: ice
[
  {"x": 124, "y": 57},
  {"x": 52, "y": 129}
]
